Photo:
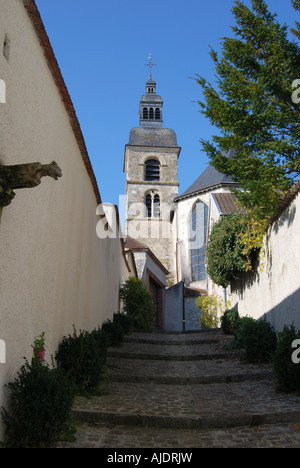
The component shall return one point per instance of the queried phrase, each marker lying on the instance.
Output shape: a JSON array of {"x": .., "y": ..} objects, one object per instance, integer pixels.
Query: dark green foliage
[
  {"x": 240, "y": 331},
  {"x": 259, "y": 341},
  {"x": 256, "y": 338},
  {"x": 81, "y": 359},
  {"x": 102, "y": 342},
  {"x": 42, "y": 397},
  {"x": 225, "y": 250},
  {"x": 138, "y": 304},
  {"x": 41, "y": 403},
  {"x": 251, "y": 105},
  {"x": 123, "y": 320},
  {"x": 113, "y": 331},
  {"x": 287, "y": 372},
  {"x": 228, "y": 321}
]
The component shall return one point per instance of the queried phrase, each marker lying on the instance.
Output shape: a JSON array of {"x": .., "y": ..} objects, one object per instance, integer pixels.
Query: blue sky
[{"x": 102, "y": 48}]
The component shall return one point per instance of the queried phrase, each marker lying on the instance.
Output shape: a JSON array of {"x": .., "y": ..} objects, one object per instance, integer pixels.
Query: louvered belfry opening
[{"x": 152, "y": 169}]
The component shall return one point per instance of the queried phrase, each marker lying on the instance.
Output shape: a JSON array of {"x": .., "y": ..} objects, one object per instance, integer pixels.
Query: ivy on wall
[{"x": 233, "y": 247}]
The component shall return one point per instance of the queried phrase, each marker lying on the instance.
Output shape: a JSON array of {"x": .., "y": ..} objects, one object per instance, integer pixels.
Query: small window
[
  {"x": 156, "y": 206},
  {"x": 151, "y": 113},
  {"x": 153, "y": 206},
  {"x": 145, "y": 113},
  {"x": 157, "y": 114},
  {"x": 152, "y": 169},
  {"x": 149, "y": 205}
]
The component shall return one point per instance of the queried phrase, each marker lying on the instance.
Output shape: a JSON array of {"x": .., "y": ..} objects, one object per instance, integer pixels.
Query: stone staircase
[{"x": 187, "y": 389}]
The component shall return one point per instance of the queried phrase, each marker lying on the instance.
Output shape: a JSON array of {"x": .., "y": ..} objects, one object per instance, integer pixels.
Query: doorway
[{"x": 157, "y": 291}]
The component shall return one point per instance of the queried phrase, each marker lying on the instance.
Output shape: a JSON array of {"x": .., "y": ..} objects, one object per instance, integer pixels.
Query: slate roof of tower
[{"x": 147, "y": 136}]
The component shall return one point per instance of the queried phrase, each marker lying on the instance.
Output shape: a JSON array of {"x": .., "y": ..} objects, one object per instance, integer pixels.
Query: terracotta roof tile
[{"x": 226, "y": 202}]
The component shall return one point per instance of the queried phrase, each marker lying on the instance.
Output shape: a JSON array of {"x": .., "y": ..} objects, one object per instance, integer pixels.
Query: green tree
[
  {"x": 138, "y": 303},
  {"x": 254, "y": 108}
]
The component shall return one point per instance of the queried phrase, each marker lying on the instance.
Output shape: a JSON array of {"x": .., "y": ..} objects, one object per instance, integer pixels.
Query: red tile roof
[{"x": 226, "y": 202}]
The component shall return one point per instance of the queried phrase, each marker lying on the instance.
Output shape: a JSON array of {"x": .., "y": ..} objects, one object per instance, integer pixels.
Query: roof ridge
[
  {"x": 208, "y": 179},
  {"x": 286, "y": 201}
]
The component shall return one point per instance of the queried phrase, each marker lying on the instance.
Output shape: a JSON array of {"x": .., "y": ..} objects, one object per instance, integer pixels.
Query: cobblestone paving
[
  {"x": 101, "y": 435},
  {"x": 154, "y": 399}
]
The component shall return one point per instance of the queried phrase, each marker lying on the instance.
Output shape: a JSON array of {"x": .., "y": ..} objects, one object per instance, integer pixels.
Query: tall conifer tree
[{"x": 255, "y": 106}]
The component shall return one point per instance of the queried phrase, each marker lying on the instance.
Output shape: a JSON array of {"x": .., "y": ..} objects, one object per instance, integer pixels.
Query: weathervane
[{"x": 150, "y": 64}]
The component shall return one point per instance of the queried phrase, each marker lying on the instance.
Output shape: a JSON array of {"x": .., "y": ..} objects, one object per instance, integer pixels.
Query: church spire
[
  {"x": 150, "y": 65},
  {"x": 151, "y": 104}
]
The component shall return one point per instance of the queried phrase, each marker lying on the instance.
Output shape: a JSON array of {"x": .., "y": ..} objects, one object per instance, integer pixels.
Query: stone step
[
  {"x": 184, "y": 372},
  {"x": 162, "y": 355},
  {"x": 117, "y": 437},
  {"x": 187, "y": 387},
  {"x": 176, "y": 338},
  {"x": 190, "y": 406},
  {"x": 156, "y": 349}
]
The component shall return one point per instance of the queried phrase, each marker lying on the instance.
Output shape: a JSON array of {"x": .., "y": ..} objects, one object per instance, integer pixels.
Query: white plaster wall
[
  {"x": 182, "y": 222},
  {"x": 54, "y": 270},
  {"x": 275, "y": 292}
]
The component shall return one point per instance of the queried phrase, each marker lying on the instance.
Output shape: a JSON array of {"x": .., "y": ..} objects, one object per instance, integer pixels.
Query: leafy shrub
[
  {"x": 124, "y": 321},
  {"x": 287, "y": 373},
  {"x": 212, "y": 307},
  {"x": 101, "y": 339},
  {"x": 41, "y": 403},
  {"x": 228, "y": 321},
  {"x": 138, "y": 304},
  {"x": 256, "y": 337},
  {"x": 81, "y": 359},
  {"x": 233, "y": 247},
  {"x": 113, "y": 332},
  {"x": 260, "y": 341},
  {"x": 240, "y": 330}
]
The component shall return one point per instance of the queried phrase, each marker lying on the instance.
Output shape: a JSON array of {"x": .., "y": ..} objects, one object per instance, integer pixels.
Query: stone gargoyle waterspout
[{"x": 24, "y": 176}]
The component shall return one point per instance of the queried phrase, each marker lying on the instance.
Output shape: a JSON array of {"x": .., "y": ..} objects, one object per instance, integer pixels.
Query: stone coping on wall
[{"x": 285, "y": 202}]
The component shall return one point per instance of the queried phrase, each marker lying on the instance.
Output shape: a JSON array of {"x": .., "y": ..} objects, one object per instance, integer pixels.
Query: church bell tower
[{"x": 151, "y": 167}]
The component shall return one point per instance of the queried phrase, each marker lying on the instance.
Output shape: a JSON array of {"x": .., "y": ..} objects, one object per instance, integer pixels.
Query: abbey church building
[
  {"x": 174, "y": 226},
  {"x": 151, "y": 167}
]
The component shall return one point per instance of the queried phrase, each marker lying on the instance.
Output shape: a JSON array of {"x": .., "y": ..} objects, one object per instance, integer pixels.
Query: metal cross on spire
[{"x": 150, "y": 64}]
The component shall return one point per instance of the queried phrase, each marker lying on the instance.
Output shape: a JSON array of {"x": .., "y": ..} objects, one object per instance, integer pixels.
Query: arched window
[
  {"x": 151, "y": 113},
  {"x": 149, "y": 205},
  {"x": 156, "y": 206},
  {"x": 199, "y": 225},
  {"x": 152, "y": 170},
  {"x": 157, "y": 113},
  {"x": 153, "y": 205},
  {"x": 145, "y": 113}
]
